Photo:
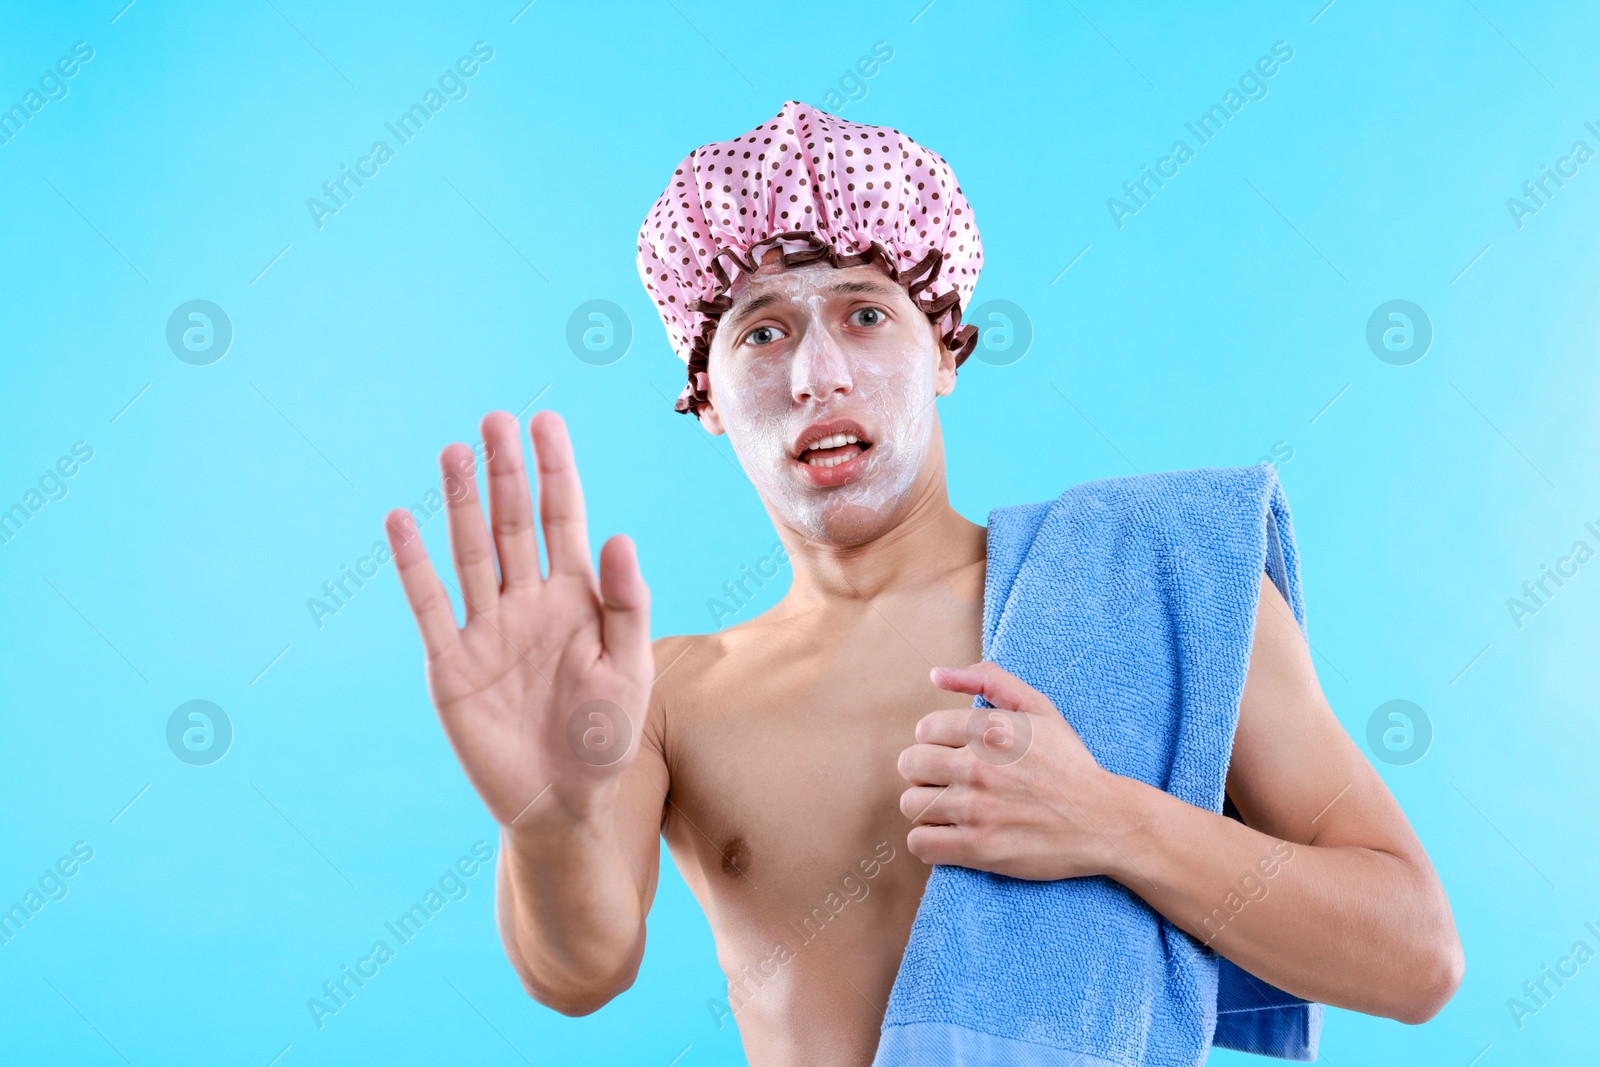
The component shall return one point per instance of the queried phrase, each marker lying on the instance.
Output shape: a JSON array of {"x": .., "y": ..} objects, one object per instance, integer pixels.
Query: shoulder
[
  {"x": 690, "y": 666},
  {"x": 1198, "y": 486},
  {"x": 698, "y": 652},
  {"x": 666, "y": 649},
  {"x": 1193, "y": 486},
  {"x": 1167, "y": 504},
  {"x": 694, "y": 672},
  {"x": 687, "y": 665},
  {"x": 671, "y": 677}
]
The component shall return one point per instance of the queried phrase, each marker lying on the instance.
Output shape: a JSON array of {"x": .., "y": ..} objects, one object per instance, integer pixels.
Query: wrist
[
  {"x": 553, "y": 825},
  {"x": 1126, "y": 817}
]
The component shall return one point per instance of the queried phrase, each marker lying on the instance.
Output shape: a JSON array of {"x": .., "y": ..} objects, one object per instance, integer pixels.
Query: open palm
[{"x": 543, "y": 692}]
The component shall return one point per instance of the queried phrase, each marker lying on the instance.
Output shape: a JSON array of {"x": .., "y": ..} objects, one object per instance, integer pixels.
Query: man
[{"x": 805, "y": 767}]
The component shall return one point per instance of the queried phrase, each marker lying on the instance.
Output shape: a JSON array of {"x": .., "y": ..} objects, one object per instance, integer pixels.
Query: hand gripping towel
[{"x": 1130, "y": 603}]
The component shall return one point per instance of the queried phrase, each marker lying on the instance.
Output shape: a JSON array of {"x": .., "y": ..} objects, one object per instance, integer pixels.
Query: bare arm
[
  {"x": 572, "y": 895},
  {"x": 544, "y": 695},
  {"x": 1326, "y": 893},
  {"x": 1351, "y": 913}
]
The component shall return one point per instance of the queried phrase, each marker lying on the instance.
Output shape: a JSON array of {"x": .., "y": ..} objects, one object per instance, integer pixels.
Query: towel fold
[{"x": 1130, "y": 603}]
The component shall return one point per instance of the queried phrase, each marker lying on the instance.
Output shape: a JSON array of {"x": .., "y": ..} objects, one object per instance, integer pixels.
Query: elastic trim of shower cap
[{"x": 959, "y": 339}]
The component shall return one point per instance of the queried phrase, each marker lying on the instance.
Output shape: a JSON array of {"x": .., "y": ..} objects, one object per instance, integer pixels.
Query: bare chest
[{"x": 784, "y": 816}]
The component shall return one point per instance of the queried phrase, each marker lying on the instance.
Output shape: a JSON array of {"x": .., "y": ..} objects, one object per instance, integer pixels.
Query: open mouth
[
  {"x": 833, "y": 450},
  {"x": 831, "y": 453}
]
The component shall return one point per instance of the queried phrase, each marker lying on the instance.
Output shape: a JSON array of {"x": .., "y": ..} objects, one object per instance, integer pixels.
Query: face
[{"x": 824, "y": 380}]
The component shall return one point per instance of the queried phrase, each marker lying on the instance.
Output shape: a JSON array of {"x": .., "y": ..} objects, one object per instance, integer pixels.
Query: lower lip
[{"x": 826, "y": 477}]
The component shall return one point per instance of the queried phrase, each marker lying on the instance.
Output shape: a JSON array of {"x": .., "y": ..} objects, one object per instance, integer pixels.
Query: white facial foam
[{"x": 886, "y": 383}]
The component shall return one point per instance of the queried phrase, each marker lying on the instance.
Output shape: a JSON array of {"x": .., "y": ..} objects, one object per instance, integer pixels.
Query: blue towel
[{"x": 1131, "y": 603}]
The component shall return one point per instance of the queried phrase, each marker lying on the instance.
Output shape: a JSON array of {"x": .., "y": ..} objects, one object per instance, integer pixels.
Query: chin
[
  {"x": 844, "y": 526},
  {"x": 851, "y": 515},
  {"x": 874, "y": 491}
]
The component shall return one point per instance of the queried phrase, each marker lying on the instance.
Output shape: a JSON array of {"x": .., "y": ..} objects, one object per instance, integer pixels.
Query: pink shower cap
[{"x": 819, "y": 188}]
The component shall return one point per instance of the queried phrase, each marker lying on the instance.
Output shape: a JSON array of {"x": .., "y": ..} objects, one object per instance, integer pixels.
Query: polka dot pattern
[{"x": 819, "y": 188}]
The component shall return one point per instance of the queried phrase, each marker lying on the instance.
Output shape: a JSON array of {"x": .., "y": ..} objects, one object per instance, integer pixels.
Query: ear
[
  {"x": 944, "y": 371},
  {"x": 710, "y": 417}
]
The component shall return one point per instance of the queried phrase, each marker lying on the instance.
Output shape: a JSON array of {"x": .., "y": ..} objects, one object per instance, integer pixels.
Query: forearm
[
  {"x": 1352, "y": 927},
  {"x": 570, "y": 915}
]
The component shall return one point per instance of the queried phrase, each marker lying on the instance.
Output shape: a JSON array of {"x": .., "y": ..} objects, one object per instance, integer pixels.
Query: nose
[{"x": 821, "y": 367}]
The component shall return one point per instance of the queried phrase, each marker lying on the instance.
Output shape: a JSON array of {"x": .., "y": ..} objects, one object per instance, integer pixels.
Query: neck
[{"x": 929, "y": 540}]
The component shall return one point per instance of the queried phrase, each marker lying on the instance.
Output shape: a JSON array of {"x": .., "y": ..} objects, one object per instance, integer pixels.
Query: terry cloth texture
[
  {"x": 817, "y": 187},
  {"x": 1130, "y": 603}
]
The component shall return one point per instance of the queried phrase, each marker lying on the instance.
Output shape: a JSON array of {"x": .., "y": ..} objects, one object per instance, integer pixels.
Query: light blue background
[{"x": 1218, "y": 323}]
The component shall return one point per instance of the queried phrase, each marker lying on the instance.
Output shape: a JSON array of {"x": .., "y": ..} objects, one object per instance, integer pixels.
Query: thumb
[{"x": 995, "y": 684}]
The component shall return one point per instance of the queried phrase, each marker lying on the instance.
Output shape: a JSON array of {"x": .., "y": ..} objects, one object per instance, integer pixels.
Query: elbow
[
  {"x": 575, "y": 994},
  {"x": 1437, "y": 982},
  {"x": 573, "y": 1000},
  {"x": 1436, "y": 961},
  {"x": 575, "y": 976},
  {"x": 569, "y": 1002}
]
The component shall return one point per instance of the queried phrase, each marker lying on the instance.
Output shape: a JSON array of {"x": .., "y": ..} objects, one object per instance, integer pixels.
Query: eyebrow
[{"x": 748, "y": 309}]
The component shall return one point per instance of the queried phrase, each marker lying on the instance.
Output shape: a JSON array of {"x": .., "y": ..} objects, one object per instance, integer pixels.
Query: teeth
[
  {"x": 831, "y": 461},
  {"x": 836, "y": 441}
]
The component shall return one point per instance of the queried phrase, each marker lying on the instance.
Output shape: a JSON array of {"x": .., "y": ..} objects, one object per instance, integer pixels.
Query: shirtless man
[{"x": 819, "y": 752}]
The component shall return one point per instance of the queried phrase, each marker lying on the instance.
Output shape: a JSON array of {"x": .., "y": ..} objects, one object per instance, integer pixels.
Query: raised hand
[{"x": 543, "y": 692}]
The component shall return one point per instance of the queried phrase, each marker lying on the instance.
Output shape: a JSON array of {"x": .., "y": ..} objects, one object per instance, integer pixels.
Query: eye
[
  {"x": 762, "y": 335},
  {"x": 871, "y": 316}
]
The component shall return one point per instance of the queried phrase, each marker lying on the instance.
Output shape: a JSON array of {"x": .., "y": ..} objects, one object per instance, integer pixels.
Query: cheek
[
  {"x": 904, "y": 383},
  {"x": 913, "y": 363},
  {"x": 756, "y": 393},
  {"x": 754, "y": 407}
]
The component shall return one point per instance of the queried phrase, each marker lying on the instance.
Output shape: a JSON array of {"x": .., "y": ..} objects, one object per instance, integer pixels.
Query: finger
[
  {"x": 469, "y": 538},
  {"x": 624, "y": 600},
  {"x": 995, "y": 684},
  {"x": 510, "y": 504},
  {"x": 927, "y": 805},
  {"x": 934, "y": 765},
  {"x": 429, "y": 604},
  {"x": 948, "y": 726},
  {"x": 938, "y": 844},
  {"x": 566, "y": 537}
]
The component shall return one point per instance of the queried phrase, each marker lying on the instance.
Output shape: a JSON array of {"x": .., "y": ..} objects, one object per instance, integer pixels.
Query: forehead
[{"x": 774, "y": 283}]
